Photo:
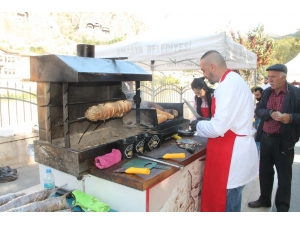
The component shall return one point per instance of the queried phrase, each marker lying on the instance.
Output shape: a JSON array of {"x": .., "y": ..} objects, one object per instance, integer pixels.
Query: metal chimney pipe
[{"x": 85, "y": 50}]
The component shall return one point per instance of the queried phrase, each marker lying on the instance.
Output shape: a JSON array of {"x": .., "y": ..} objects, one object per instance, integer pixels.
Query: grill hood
[{"x": 64, "y": 68}]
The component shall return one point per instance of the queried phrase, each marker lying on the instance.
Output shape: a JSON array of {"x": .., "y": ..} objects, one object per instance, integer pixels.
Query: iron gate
[{"x": 18, "y": 103}]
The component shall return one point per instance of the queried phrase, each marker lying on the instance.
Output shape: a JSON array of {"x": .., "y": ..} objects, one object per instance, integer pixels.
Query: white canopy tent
[
  {"x": 293, "y": 67},
  {"x": 156, "y": 52}
]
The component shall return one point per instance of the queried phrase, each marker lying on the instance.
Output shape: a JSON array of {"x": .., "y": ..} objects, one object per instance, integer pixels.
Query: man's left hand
[{"x": 284, "y": 118}]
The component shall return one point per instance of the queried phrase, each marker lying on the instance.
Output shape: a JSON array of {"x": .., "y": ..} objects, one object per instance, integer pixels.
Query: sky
[
  {"x": 278, "y": 20},
  {"x": 279, "y": 17}
]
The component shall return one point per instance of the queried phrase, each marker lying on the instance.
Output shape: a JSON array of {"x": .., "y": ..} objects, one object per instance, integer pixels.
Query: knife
[
  {"x": 160, "y": 161},
  {"x": 133, "y": 170},
  {"x": 172, "y": 156},
  {"x": 193, "y": 110}
]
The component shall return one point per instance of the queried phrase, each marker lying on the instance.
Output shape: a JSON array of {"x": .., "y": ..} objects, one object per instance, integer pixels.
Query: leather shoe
[{"x": 257, "y": 204}]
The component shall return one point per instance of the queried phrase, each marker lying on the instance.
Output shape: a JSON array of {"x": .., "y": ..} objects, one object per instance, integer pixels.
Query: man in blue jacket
[{"x": 278, "y": 132}]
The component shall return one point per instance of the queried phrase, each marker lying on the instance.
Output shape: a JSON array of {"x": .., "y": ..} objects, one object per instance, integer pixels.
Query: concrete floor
[{"x": 28, "y": 176}]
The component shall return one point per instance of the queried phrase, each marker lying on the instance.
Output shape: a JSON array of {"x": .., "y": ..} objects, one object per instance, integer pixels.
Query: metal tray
[{"x": 186, "y": 133}]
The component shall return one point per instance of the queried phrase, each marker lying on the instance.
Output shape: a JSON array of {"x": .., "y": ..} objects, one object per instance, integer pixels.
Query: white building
[{"x": 15, "y": 65}]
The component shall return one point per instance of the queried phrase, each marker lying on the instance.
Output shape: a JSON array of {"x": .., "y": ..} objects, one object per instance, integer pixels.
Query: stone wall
[{"x": 13, "y": 150}]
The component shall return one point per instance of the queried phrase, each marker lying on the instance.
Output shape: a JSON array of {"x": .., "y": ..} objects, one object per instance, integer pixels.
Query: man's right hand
[
  {"x": 202, "y": 118},
  {"x": 193, "y": 125}
]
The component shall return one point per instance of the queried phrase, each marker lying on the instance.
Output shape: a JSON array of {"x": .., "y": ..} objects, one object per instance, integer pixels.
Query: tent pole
[
  {"x": 255, "y": 78},
  {"x": 152, "y": 86},
  {"x": 137, "y": 103},
  {"x": 255, "y": 83}
]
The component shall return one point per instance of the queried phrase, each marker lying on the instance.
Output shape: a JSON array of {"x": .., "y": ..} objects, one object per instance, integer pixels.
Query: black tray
[{"x": 186, "y": 133}]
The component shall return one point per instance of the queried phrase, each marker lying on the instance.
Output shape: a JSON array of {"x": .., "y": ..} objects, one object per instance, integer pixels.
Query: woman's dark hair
[{"x": 199, "y": 83}]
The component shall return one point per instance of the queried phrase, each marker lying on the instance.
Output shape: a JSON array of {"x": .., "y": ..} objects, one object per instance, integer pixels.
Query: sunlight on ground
[{"x": 297, "y": 159}]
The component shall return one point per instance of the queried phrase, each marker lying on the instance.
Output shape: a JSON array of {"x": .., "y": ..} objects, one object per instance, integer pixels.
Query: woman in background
[{"x": 203, "y": 95}]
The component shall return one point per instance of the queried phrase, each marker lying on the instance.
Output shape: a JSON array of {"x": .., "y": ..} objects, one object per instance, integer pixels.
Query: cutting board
[{"x": 144, "y": 163}]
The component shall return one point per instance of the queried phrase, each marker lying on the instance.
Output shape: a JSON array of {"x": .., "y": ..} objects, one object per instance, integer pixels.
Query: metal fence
[
  {"x": 166, "y": 93},
  {"x": 18, "y": 103}
]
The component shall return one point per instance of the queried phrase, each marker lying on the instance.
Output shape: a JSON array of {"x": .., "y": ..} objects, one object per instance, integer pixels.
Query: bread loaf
[
  {"x": 169, "y": 116},
  {"x": 152, "y": 105},
  {"x": 161, "y": 118},
  {"x": 108, "y": 110}
]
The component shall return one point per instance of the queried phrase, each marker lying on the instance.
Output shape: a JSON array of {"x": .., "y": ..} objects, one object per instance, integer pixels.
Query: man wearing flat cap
[{"x": 278, "y": 132}]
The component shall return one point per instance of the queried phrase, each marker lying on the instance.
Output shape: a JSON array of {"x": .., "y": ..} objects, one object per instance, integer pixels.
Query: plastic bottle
[{"x": 49, "y": 181}]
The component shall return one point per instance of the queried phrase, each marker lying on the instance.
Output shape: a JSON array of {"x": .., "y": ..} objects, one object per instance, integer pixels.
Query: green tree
[
  {"x": 286, "y": 49},
  {"x": 159, "y": 80},
  {"x": 39, "y": 50},
  {"x": 259, "y": 43}
]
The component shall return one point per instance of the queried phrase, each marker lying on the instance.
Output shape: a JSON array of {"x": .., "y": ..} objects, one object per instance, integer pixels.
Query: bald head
[
  {"x": 214, "y": 57},
  {"x": 213, "y": 66}
]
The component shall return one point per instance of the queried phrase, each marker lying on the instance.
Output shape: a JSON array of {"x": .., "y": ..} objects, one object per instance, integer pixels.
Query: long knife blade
[
  {"x": 160, "y": 161},
  {"x": 193, "y": 110}
]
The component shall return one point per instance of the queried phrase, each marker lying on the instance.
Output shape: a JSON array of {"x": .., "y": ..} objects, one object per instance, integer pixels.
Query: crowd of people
[{"x": 238, "y": 149}]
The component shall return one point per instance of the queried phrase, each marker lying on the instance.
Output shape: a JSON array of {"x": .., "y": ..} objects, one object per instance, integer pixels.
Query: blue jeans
[
  {"x": 234, "y": 199},
  {"x": 255, "y": 124},
  {"x": 258, "y": 147}
]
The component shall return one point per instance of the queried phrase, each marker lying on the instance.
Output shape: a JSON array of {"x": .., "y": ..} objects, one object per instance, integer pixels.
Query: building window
[
  {"x": 1, "y": 58},
  {"x": 13, "y": 71},
  {"x": 8, "y": 59},
  {"x": 5, "y": 71},
  {"x": 12, "y": 59},
  {"x": 9, "y": 71},
  {"x": 0, "y": 70}
]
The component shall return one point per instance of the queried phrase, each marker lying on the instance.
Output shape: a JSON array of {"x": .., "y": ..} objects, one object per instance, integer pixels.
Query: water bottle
[{"x": 49, "y": 181}]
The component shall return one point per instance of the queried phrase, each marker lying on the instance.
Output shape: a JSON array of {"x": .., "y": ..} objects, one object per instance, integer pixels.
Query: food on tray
[
  {"x": 152, "y": 105},
  {"x": 108, "y": 110},
  {"x": 169, "y": 116},
  {"x": 161, "y": 118}
]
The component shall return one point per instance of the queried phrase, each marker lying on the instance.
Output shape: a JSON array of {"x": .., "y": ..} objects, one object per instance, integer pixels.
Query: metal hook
[{"x": 90, "y": 124}]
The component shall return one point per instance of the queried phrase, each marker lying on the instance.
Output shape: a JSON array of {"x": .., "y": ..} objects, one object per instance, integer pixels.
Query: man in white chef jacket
[{"x": 231, "y": 153}]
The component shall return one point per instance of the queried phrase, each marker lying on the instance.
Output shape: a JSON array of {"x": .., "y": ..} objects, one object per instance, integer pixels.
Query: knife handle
[
  {"x": 174, "y": 156},
  {"x": 138, "y": 170},
  {"x": 176, "y": 137}
]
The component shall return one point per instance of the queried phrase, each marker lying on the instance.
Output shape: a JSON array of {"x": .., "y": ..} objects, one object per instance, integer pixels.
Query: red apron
[
  {"x": 216, "y": 171},
  {"x": 205, "y": 112}
]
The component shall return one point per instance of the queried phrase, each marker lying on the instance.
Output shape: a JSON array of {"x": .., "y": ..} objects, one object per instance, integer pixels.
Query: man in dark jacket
[
  {"x": 257, "y": 95},
  {"x": 278, "y": 132}
]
